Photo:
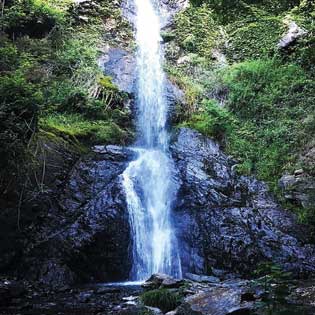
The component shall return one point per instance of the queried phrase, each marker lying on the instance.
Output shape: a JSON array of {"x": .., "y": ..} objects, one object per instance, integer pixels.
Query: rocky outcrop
[
  {"x": 228, "y": 221},
  {"x": 85, "y": 234},
  {"x": 225, "y": 224},
  {"x": 299, "y": 189},
  {"x": 120, "y": 64}
]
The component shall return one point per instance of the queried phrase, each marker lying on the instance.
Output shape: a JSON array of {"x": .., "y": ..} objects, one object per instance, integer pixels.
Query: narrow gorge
[{"x": 146, "y": 169}]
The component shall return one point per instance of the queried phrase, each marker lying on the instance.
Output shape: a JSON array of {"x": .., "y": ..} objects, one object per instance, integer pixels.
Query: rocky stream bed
[{"x": 207, "y": 296}]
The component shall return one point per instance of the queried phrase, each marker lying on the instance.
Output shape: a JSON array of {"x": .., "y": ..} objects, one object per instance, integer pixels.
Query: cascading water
[{"x": 147, "y": 180}]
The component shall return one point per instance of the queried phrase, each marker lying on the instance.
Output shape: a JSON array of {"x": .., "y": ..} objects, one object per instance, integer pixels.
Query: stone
[
  {"x": 298, "y": 172},
  {"x": 220, "y": 300},
  {"x": 294, "y": 33},
  {"x": 299, "y": 189},
  {"x": 160, "y": 280},
  {"x": 201, "y": 278},
  {"x": 83, "y": 18}
]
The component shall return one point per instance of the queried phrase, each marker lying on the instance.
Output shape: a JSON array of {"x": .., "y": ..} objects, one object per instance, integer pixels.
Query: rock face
[
  {"x": 299, "y": 188},
  {"x": 225, "y": 224},
  {"x": 85, "y": 235},
  {"x": 121, "y": 66},
  {"x": 227, "y": 221}
]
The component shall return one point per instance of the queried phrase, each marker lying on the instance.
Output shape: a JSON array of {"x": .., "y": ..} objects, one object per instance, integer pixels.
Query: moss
[
  {"x": 164, "y": 299},
  {"x": 106, "y": 83},
  {"x": 74, "y": 127}
]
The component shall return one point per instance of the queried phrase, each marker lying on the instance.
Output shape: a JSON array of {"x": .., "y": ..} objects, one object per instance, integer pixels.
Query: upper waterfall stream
[{"x": 147, "y": 180}]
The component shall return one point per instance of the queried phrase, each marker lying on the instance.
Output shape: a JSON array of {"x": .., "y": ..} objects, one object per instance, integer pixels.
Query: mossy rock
[{"x": 164, "y": 299}]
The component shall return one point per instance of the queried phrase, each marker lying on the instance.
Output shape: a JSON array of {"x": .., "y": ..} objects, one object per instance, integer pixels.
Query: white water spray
[{"x": 147, "y": 180}]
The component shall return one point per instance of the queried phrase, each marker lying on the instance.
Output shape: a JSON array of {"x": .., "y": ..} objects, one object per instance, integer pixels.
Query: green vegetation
[
  {"x": 50, "y": 81},
  {"x": 164, "y": 299},
  {"x": 196, "y": 30},
  {"x": 259, "y": 102}
]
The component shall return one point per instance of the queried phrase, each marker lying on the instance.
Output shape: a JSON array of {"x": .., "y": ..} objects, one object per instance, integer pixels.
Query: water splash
[{"x": 147, "y": 180}]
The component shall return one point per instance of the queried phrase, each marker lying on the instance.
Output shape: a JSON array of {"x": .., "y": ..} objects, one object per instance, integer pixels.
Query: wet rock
[
  {"x": 154, "y": 310},
  {"x": 231, "y": 222},
  {"x": 294, "y": 33},
  {"x": 201, "y": 278},
  {"x": 160, "y": 280},
  {"x": 121, "y": 66}
]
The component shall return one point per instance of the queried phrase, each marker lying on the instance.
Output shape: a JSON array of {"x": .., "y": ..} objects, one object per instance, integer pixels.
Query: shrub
[
  {"x": 212, "y": 120},
  {"x": 196, "y": 30},
  {"x": 19, "y": 104},
  {"x": 254, "y": 38},
  {"x": 35, "y": 18},
  {"x": 271, "y": 102}
]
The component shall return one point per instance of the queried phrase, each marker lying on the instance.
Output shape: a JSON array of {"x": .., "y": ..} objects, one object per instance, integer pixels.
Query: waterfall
[{"x": 147, "y": 180}]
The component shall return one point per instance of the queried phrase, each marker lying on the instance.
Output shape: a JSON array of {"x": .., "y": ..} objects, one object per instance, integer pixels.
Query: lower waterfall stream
[{"x": 147, "y": 180}]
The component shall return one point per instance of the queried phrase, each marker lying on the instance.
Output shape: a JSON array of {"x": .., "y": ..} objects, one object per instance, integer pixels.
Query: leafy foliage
[
  {"x": 212, "y": 120},
  {"x": 196, "y": 30}
]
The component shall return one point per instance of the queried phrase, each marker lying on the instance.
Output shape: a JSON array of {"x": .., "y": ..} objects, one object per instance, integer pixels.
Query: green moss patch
[{"x": 164, "y": 299}]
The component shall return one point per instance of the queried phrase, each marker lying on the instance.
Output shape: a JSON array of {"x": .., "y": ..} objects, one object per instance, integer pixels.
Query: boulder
[
  {"x": 293, "y": 34},
  {"x": 218, "y": 300},
  {"x": 160, "y": 280}
]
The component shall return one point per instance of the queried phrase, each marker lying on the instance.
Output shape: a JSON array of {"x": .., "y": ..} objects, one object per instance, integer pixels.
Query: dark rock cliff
[
  {"x": 222, "y": 220},
  {"x": 228, "y": 221}
]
